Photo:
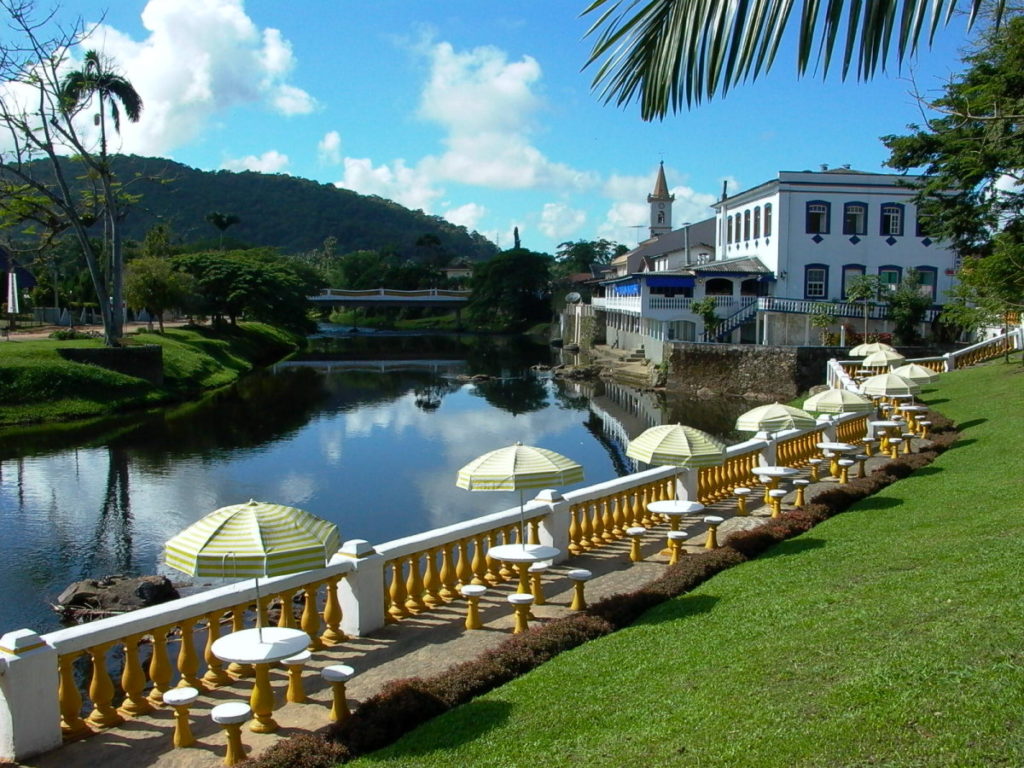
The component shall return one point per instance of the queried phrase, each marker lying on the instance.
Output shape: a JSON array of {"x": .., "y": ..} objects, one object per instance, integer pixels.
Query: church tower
[{"x": 661, "y": 205}]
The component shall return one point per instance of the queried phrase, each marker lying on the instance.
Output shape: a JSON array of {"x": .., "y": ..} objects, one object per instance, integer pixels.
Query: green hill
[{"x": 286, "y": 212}]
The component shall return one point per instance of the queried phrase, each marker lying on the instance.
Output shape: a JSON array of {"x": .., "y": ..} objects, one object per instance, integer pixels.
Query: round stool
[
  {"x": 296, "y": 693},
  {"x": 800, "y": 484},
  {"x": 713, "y": 521},
  {"x": 860, "y": 458},
  {"x": 634, "y": 533},
  {"x": 922, "y": 427},
  {"x": 536, "y": 588},
  {"x": 907, "y": 437},
  {"x": 675, "y": 545},
  {"x": 230, "y": 717},
  {"x": 521, "y": 603},
  {"x": 741, "y": 494},
  {"x": 815, "y": 465},
  {"x": 844, "y": 469},
  {"x": 180, "y": 698},
  {"x": 894, "y": 446},
  {"x": 869, "y": 445},
  {"x": 775, "y": 497},
  {"x": 579, "y": 577},
  {"x": 473, "y": 593},
  {"x": 337, "y": 675}
]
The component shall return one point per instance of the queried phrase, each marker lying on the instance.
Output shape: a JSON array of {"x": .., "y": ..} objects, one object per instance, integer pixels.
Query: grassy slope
[
  {"x": 887, "y": 636},
  {"x": 36, "y": 384}
]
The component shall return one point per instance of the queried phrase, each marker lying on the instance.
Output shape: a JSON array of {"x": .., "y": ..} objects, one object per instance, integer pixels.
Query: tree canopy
[{"x": 510, "y": 288}]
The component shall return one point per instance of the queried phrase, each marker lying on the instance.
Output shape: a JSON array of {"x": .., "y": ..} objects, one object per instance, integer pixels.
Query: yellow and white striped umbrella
[
  {"x": 774, "y": 418},
  {"x": 518, "y": 467},
  {"x": 882, "y": 359},
  {"x": 838, "y": 401},
  {"x": 253, "y": 539},
  {"x": 887, "y": 385},
  {"x": 676, "y": 445},
  {"x": 863, "y": 350},
  {"x": 916, "y": 373}
]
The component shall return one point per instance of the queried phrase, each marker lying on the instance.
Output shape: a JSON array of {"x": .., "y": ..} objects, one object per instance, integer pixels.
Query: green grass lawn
[{"x": 890, "y": 635}]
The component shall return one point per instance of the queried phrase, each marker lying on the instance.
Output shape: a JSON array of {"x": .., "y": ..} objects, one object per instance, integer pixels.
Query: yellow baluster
[
  {"x": 586, "y": 529},
  {"x": 310, "y": 621},
  {"x": 479, "y": 561},
  {"x": 447, "y": 575},
  {"x": 72, "y": 725},
  {"x": 188, "y": 659},
  {"x": 286, "y": 618},
  {"x": 597, "y": 536},
  {"x": 639, "y": 510},
  {"x": 159, "y": 666},
  {"x": 332, "y": 613},
  {"x": 619, "y": 513},
  {"x": 414, "y": 586},
  {"x": 463, "y": 570},
  {"x": 534, "y": 531},
  {"x": 215, "y": 674},
  {"x": 643, "y": 497},
  {"x": 608, "y": 518},
  {"x": 262, "y": 605},
  {"x": 397, "y": 610},
  {"x": 237, "y": 625},
  {"x": 574, "y": 529},
  {"x": 101, "y": 690},
  {"x": 494, "y": 572},
  {"x": 133, "y": 680}
]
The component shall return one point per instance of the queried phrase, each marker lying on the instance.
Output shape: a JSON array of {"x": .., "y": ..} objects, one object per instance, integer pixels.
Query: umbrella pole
[
  {"x": 522, "y": 520},
  {"x": 259, "y": 613}
]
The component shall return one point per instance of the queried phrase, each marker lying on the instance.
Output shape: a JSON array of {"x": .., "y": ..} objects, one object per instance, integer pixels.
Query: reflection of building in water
[{"x": 622, "y": 412}]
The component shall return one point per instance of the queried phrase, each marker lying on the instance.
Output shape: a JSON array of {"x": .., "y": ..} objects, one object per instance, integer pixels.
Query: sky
[{"x": 479, "y": 112}]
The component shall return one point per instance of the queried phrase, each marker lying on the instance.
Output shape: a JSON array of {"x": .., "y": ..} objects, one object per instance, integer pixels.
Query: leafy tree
[
  {"x": 572, "y": 257},
  {"x": 39, "y": 112},
  {"x": 158, "y": 241},
  {"x": 822, "y": 319},
  {"x": 865, "y": 289},
  {"x": 990, "y": 290},
  {"x": 707, "y": 310},
  {"x": 907, "y": 307},
  {"x": 222, "y": 221},
  {"x": 972, "y": 151},
  {"x": 151, "y": 283},
  {"x": 508, "y": 291},
  {"x": 667, "y": 54}
]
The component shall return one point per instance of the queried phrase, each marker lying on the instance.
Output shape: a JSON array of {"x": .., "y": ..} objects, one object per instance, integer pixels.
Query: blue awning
[
  {"x": 626, "y": 289},
  {"x": 672, "y": 281}
]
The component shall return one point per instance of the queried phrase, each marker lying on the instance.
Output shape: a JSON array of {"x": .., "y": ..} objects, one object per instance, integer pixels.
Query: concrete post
[
  {"x": 361, "y": 592},
  {"x": 554, "y": 527},
  {"x": 686, "y": 485},
  {"x": 29, "y": 709}
]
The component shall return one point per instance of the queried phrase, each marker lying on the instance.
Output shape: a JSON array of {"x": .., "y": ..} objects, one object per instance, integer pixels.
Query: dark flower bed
[{"x": 405, "y": 704}]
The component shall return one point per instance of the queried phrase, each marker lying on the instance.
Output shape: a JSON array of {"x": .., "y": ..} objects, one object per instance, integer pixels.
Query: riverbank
[{"x": 38, "y": 384}]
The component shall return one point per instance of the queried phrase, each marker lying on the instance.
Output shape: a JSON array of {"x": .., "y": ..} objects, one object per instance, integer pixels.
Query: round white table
[
  {"x": 884, "y": 430},
  {"x": 522, "y": 556},
  {"x": 774, "y": 474},
  {"x": 261, "y": 647},
  {"x": 674, "y": 509},
  {"x": 837, "y": 450}
]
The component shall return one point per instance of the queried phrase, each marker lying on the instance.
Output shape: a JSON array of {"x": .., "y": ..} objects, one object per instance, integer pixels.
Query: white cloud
[
  {"x": 270, "y": 161},
  {"x": 329, "y": 148},
  {"x": 466, "y": 215},
  {"x": 558, "y": 220},
  {"x": 408, "y": 186},
  {"x": 200, "y": 58}
]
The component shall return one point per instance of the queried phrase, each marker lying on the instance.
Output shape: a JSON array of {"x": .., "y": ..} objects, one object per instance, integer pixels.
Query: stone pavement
[{"x": 422, "y": 645}]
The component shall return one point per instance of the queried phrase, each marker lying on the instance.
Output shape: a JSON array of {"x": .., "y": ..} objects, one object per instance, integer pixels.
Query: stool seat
[
  {"x": 636, "y": 530},
  {"x": 337, "y": 673},
  {"x": 520, "y": 598},
  {"x": 539, "y": 567},
  {"x": 298, "y": 659},
  {"x": 180, "y": 697},
  {"x": 472, "y": 590},
  {"x": 801, "y": 481},
  {"x": 580, "y": 574},
  {"x": 846, "y": 462},
  {"x": 777, "y": 493},
  {"x": 741, "y": 491},
  {"x": 230, "y": 713},
  {"x": 714, "y": 520},
  {"x": 677, "y": 535}
]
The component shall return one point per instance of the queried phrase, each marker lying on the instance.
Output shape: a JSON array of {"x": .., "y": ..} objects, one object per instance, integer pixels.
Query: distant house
[
  {"x": 770, "y": 256},
  {"x": 458, "y": 273}
]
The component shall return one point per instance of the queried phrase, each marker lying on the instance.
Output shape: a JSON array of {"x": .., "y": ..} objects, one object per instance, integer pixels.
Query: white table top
[
  {"x": 675, "y": 507},
  {"x": 245, "y": 646},
  {"x": 837, "y": 447},
  {"x": 518, "y": 553},
  {"x": 914, "y": 408},
  {"x": 775, "y": 471}
]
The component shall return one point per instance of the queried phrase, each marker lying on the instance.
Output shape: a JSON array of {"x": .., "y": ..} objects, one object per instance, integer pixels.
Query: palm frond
[{"x": 667, "y": 54}]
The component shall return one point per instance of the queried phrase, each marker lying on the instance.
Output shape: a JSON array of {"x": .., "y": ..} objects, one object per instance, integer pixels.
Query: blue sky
[{"x": 475, "y": 111}]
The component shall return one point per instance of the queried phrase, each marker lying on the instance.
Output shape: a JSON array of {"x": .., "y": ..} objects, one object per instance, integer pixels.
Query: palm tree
[
  {"x": 77, "y": 90},
  {"x": 668, "y": 54},
  {"x": 222, "y": 221}
]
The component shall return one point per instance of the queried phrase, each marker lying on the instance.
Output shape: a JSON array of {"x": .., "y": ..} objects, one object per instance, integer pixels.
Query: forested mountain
[{"x": 286, "y": 212}]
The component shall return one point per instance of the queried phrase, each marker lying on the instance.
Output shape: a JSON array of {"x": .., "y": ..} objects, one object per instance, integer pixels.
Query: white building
[{"x": 777, "y": 251}]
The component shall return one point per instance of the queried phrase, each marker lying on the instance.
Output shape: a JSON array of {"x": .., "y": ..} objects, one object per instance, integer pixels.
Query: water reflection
[{"x": 368, "y": 433}]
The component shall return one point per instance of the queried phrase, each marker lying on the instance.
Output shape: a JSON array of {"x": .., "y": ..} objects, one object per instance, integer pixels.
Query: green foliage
[
  {"x": 991, "y": 288},
  {"x": 509, "y": 290},
  {"x": 577, "y": 256},
  {"x": 365, "y": 270},
  {"x": 152, "y": 284},
  {"x": 255, "y": 285},
  {"x": 907, "y": 307},
  {"x": 866, "y": 289},
  {"x": 706, "y": 310}
]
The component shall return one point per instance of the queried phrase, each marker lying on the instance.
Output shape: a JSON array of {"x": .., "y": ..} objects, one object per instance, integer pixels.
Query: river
[{"x": 367, "y": 430}]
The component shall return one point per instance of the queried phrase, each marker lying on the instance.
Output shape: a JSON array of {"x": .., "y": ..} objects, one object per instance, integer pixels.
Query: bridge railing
[{"x": 425, "y": 293}]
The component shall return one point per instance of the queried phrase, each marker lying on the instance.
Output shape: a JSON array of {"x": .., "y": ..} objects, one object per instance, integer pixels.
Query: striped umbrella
[
  {"x": 838, "y": 401},
  {"x": 676, "y": 445},
  {"x": 887, "y": 385},
  {"x": 863, "y": 350},
  {"x": 517, "y": 468},
  {"x": 882, "y": 359},
  {"x": 916, "y": 373},
  {"x": 774, "y": 418},
  {"x": 252, "y": 540}
]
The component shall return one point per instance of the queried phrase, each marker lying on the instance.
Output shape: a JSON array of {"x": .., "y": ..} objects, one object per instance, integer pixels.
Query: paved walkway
[{"x": 423, "y": 645}]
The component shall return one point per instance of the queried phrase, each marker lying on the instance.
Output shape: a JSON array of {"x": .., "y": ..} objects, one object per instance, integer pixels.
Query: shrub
[
  {"x": 381, "y": 719},
  {"x": 304, "y": 750},
  {"x": 691, "y": 571},
  {"x": 755, "y": 541}
]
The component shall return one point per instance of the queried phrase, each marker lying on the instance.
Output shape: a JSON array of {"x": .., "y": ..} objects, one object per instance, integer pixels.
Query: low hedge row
[{"x": 405, "y": 704}]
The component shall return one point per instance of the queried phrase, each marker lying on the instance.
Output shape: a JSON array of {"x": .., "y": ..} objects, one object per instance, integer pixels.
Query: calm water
[{"x": 368, "y": 432}]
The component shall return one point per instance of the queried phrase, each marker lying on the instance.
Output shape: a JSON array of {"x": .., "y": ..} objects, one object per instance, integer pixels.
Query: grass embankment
[
  {"x": 888, "y": 635},
  {"x": 37, "y": 384}
]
